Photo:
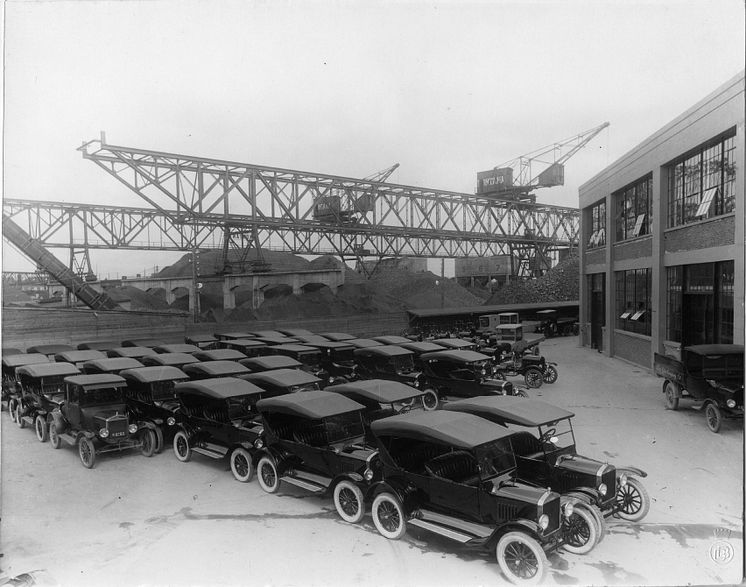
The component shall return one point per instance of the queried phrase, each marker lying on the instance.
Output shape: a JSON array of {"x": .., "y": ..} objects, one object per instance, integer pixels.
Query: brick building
[{"x": 662, "y": 237}]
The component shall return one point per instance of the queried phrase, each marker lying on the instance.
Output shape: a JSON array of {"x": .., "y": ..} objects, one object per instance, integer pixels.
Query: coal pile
[{"x": 559, "y": 284}]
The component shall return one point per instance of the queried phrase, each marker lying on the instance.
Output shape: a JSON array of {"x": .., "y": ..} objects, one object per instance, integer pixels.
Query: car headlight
[
  {"x": 171, "y": 421},
  {"x": 132, "y": 428},
  {"x": 569, "y": 510},
  {"x": 368, "y": 474},
  {"x": 103, "y": 433},
  {"x": 602, "y": 489},
  {"x": 623, "y": 480},
  {"x": 543, "y": 521},
  {"x": 258, "y": 443},
  {"x": 731, "y": 403}
]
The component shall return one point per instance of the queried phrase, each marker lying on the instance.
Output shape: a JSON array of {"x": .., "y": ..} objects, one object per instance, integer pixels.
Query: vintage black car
[
  {"x": 203, "y": 341},
  {"x": 420, "y": 348},
  {"x": 10, "y": 387},
  {"x": 544, "y": 444},
  {"x": 269, "y": 362},
  {"x": 387, "y": 362},
  {"x": 551, "y": 324},
  {"x": 709, "y": 373},
  {"x": 177, "y": 348},
  {"x": 315, "y": 440},
  {"x": 453, "y": 474},
  {"x": 219, "y": 355},
  {"x": 50, "y": 350},
  {"x": 250, "y": 347},
  {"x": 217, "y": 418},
  {"x": 169, "y": 360},
  {"x": 98, "y": 345},
  {"x": 111, "y": 365},
  {"x": 42, "y": 390},
  {"x": 77, "y": 358},
  {"x": 456, "y": 373},
  {"x": 309, "y": 356},
  {"x": 213, "y": 369},
  {"x": 458, "y": 344},
  {"x": 391, "y": 339},
  {"x": 94, "y": 416},
  {"x": 534, "y": 369},
  {"x": 133, "y": 352},
  {"x": 337, "y": 362},
  {"x": 337, "y": 336},
  {"x": 282, "y": 381},
  {"x": 151, "y": 398},
  {"x": 143, "y": 342}
]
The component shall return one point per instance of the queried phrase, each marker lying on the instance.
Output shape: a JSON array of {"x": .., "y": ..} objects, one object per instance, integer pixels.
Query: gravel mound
[{"x": 559, "y": 284}]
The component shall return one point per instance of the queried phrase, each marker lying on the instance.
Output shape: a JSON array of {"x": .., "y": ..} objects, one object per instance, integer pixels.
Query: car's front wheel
[
  {"x": 349, "y": 501},
  {"x": 42, "y": 431},
  {"x": 182, "y": 450},
  {"x": 87, "y": 452},
  {"x": 579, "y": 531},
  {"x": 672, "y": 398},
  {"x": 148, "y": 442},
  {"x": 12, "y": 410},
  {"x": 266, "y": 475},
  {"x": 521, "y": 558},
  {"x": 633, "y": 500},
  {"x": 388, "y": 516},
  {"x": 598, "y": 517},
  {"x": 533, "y": 377},
  {"x": 241, "y": 465},
  {"x": 430, "y": 399},
  {"x": 54, "y": 438},
  {"x": 19, "y": 416},
  {"x": 713, "y": 416},
  {"x": 551, "y": 374}
]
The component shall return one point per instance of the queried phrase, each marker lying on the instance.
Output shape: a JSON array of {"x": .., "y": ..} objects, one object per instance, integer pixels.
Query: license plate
[{"x": 117, "y": 434}]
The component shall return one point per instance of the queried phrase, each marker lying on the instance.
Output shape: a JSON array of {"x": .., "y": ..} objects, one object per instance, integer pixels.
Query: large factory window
[
  {"x": 702, "y": 184},
  {"x": 633, "y": 300},
  {"x": 634, "y": 209},
  {"x": 597, "y": 231}
]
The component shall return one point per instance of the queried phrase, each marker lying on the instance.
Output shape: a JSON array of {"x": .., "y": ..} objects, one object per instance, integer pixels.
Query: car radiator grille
[
  {"x": 117, "y": 426},
  {"x": 609, "y": 478},
  {"x": 552, "y": 509}
]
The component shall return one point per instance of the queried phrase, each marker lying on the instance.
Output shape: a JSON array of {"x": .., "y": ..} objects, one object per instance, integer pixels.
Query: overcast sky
[{"x": 446, "y": 89}]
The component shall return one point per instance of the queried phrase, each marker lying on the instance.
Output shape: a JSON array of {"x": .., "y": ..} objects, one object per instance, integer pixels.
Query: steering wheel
[{"x": 548, "y": 434}]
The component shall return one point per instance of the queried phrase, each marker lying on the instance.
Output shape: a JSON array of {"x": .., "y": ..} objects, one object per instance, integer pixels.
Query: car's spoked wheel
[
  {"x": 551, "y": 374},
  {"x": 87, "y": 452},
  {"x": 388, "y": 516},
  {"x": 158, "y": 439},
  {"x": 182, "y": 450},
  {"x": 19, "y": 416},
  {"x": 579, "y": 531},
  {"x": 54, "y": 438},
  {"x": 598, "y": 518},
  {"x": 520, "y": 393},
  {"x": 40, "y": 424},
  {"x": 241, "y": 465},
  {"x": 349, "y": 501},
  {"x": 712, "y": 414},
  {"x": 148, "y": 443},
  {"x": 633, "y": 500},
  {"x": 12, "y": 410},
  {"x": 672, "y": 399},
  {"x": 533, "y": 377},
  {"x": 521, "y": 558},
  {"x": 267, "y": 475},
  {"x": 430, "y": 399}
]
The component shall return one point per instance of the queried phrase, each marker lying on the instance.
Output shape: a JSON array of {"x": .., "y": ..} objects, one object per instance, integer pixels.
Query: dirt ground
[{"x": 139, "y": 521}]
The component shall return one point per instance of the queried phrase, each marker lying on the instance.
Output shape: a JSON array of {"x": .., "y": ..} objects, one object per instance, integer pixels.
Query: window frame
[
  {"x": 633, "y": 209},
  {"x": 633, "y": 294}
]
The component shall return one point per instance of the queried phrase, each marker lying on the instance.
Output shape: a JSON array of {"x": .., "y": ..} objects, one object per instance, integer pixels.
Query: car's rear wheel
[
  {"x": 158, "y": 439},
  {"x": 388, "y": 516},
  {"x": 148, "y": 442},
  {"x": 633, "y": 500},
  {"x": 182, "y": 450},
  {"x": 266, "y": 475},
  {"x": 533, "y": 377},
  {"x": 430, "y": 399},
  {"x": 54, "y": 438},
  {"x": 521, "y": 558},
  {"x": 19, "y": 416},
  {"x": 672, "y": 398},
  {"x": 87, "y": 452},
  {"x": 579, "y": 531},
  {"x": 12, "y": 410},
  {"x": 551, "y": 374},
  {"x": 42, "y": 432},
  {"x": 349, "y": 501},
  {"x": 241, "y": 465},
  {"x": 713, "y": 416}
]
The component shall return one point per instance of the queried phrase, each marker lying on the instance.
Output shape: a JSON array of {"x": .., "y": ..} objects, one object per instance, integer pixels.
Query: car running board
[
  {"x": 303, "y": 484},
  {"x": 208, "y": 451},
  {"x": 442, "y": 530},
  {"x": 454, "y": 528}
]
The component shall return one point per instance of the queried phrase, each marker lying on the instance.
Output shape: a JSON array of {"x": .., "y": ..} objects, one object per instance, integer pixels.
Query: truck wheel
[
  {"x": 672, "y": 397},
  {"x": 54, "y": 438},
  {"x": 388, "y": 516},
  {"x": 42, "y": 431},
  {"x": 521, "y": 559},
  {"x": 712, "y": 413},
  {"x": 182, "y": 450},
  {"x": 19, "y": 417},
  {"x": 148, "y": 442},
  {"x": 533, "y": 377},
  {"x": 242, "y": 466},
  {"x": 87, "y": 452}
]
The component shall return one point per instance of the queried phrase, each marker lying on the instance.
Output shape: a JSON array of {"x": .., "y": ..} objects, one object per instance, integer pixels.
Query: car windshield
[
  {"x": 310, "y": 358},
  {"x": 715, "y": 366},
  {"x": 547, "y": 438},
  {"x": 402, "y": 363},
  {"x": 344, "y": 427},
  {"x": 495, "y": 458},
  {"x": 103, "y": 395},
  {"x": 343, "y": 355},
  {"x": 241, "y": 407},
  {"x": 163, "y": 390},
  {"x": 304, "y": 387}
]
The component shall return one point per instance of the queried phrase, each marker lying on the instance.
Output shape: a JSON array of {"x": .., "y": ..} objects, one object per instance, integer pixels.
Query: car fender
[
  {"x": 676, "y": 387},
  {"x": 630, "y": 470},
  {"x": 406, "y": 497},
  {"x": 277, "y": 456},
  {"x": 356, "y": 478},
  {"x": 520, "y": 525},
  {"x": 587, "y": 495},
  {"x": 146, "y": 424},
  {"x": 60, "y": 423}
]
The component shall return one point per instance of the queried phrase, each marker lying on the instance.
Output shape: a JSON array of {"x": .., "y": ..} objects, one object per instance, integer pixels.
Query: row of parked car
[{"x": 477, "y": 470}]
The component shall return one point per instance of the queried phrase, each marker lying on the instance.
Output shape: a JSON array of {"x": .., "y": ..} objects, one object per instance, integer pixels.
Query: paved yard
[{"x": 134, "y": 521}]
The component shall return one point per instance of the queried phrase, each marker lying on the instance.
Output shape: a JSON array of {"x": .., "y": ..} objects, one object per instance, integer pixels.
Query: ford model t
[
  {"x": 11, "y": 388},
  {"x": 94, "y": 416},
  {"x": 316, "y": 441},
  {"x": 708, "y": 373},
  {"x": 386, "y": 362},
  {"x": 217, "y": 418},
  {"x": 544, "y": 444},
  {"x": 453, "y": 474}
]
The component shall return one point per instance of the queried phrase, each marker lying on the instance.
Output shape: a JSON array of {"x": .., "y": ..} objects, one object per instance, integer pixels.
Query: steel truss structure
[{"x": 196, "y": 203}]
